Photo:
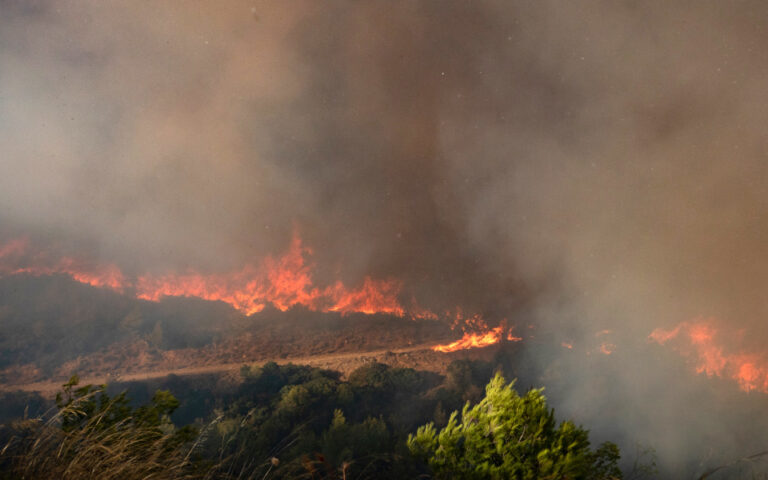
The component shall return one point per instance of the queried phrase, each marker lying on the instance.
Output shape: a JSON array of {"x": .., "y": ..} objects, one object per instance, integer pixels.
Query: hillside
[{"x": 52, "y": 327}]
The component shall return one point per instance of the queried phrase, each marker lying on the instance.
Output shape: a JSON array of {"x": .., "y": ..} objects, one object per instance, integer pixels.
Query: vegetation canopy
[
  {"x": 508, "y": 436},
  {"x": 292, "y": 422}
]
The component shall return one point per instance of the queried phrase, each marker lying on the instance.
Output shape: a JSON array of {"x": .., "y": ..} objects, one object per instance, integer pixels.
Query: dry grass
[{"x": 100, "y": 447}]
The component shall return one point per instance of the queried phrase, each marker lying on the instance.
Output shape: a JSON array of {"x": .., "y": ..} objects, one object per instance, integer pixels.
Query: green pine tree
[{"x": 508, "y": 436}]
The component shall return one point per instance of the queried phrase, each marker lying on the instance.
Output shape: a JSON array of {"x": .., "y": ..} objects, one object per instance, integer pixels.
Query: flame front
[
  {"x": 480, "y": 335},
  {"x": 472, "y": 340},
  {"x": 16, "y": 257},
  {"x": 698, "y": 340},
  {"x": 284, "y": 282}
]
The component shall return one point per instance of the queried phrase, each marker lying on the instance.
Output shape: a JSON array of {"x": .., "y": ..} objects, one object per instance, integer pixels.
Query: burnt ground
[{"x": 52, "y": 328}]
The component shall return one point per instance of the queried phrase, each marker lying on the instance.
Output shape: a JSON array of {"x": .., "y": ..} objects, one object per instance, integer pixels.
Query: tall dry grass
[
  {"x": 98, "y": 448},
  {"x": 104, "y": 443}
]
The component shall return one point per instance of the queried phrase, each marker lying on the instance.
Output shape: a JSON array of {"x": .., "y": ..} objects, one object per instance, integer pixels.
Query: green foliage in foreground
[
  {"x": 508, "y": 436},
  {"x": 300, "y": 422}
]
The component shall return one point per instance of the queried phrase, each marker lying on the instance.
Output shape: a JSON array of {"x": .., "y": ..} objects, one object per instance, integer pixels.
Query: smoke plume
[{"x": 581, "y": 166}]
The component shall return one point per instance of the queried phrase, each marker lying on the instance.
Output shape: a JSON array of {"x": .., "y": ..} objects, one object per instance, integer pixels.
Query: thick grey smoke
[{"x": 581, "y": 165}]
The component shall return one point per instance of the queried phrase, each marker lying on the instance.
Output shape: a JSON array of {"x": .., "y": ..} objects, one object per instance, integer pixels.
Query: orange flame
[
  {"x": 372, "y": 297},
  {"x": 513, "y": 338},
  {"x": 283, "y": 282},
  {"x": 472, "y": 340},
  {"x": 210, "y": 287},
  {"x": 697, "y": 339},
  {"x": 479, "y": 335},
  {"x": 15, "y": 259}
]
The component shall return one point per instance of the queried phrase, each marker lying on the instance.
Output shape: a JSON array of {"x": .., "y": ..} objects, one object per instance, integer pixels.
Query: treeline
[{"x": 301, "y": 422}]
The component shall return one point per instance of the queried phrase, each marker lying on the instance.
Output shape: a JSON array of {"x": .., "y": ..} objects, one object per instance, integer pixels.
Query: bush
[{"x": 506, "y": 436}]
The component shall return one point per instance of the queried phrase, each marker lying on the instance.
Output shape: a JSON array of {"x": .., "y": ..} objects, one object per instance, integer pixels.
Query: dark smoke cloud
[{"x": 579, "y": 165}]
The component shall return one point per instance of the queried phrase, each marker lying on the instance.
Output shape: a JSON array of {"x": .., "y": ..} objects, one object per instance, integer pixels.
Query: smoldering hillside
[{"x": 579, "y": 166}]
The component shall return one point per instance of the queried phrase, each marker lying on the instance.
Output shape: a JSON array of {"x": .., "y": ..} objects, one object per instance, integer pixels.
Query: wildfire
[
  {"x": 472, "y": 340},
  {"x": 372, "y": 297},
  {"x": 284, "y": 282},
  {"x": 480, "y": 335},
  {"x": 698, "y": 340},
  {"x": 16, "y": 258}
]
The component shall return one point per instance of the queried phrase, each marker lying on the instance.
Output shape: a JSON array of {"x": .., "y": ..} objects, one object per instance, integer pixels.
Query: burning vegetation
[
  {"x": 477, "y": 334},
  {"x": 282, "y": 282},
  {"x": 711, "y": 352},
  {"x": 468, "y": 179}
]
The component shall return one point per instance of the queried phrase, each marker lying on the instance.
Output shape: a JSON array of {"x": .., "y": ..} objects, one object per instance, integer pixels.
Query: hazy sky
[
  {"x": 588, "y": 164},
  {"x": 615, "y": 148}
]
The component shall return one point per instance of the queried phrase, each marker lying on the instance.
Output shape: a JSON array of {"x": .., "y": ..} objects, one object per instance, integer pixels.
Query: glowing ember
[
  {"x": 513, "y": 338},
  {"x": 607, "y": 348},
  {"x": 697, "y": 340},
  {"x": 417, "y": 312}
]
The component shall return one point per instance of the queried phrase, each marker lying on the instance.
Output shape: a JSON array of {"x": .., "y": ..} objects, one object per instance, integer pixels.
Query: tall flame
[
  {"x": 372, "y": 297},
  {"x": 284, "y": 282},
  {"x": 698, "y": 339}
]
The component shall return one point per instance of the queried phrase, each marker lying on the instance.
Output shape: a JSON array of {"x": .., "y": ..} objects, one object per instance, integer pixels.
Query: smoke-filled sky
[
  {"x": 601, "y": 163},
  {"x": 484, "y": 149}
]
